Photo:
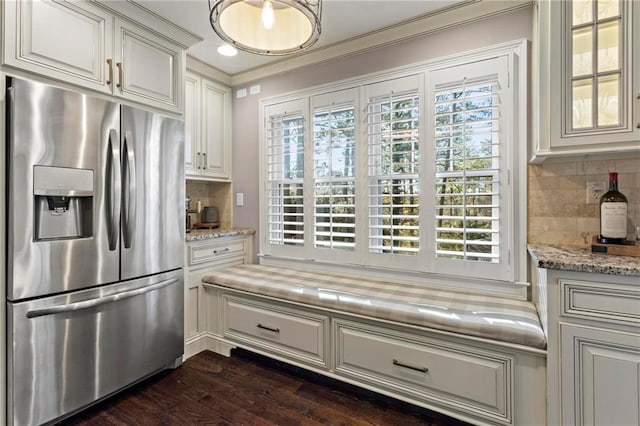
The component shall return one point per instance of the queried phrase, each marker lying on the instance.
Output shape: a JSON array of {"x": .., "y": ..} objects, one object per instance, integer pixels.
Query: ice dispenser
[{"x": 63, "y": 202}]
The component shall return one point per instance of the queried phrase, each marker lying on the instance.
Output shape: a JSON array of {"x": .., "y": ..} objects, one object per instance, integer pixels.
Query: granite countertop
[
  {"x": 207, "y": 234},
  {"x": 567, "y": 258}
]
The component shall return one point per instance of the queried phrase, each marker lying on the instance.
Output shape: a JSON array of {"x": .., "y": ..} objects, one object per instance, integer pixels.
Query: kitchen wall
[
  {"x": 558, "y": 211},
  {"x": 498, "y": 29},
  {"x": 217, "y": 194}
]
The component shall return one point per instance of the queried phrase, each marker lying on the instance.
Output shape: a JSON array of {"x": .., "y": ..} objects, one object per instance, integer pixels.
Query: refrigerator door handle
[
  {"x": 91, "y": 303},
  {"x": 129, "y": 195},
  {"x": 113, "y": 188}
]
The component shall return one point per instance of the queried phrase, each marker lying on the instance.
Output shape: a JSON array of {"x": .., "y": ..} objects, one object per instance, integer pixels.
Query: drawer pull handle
[
  {"x": 226, "y": 249},
  {"x": 410, "y": 367},
  {"x": 264, "y": 327}
]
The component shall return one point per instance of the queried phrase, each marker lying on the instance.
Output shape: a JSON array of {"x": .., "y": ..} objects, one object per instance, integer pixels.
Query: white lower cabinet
[
  {"x": 428, "y": 369},
  {"x": 593, "y": 360},
  {"x": 203, "y": 257},
  {"x": 600, "y": 376}
]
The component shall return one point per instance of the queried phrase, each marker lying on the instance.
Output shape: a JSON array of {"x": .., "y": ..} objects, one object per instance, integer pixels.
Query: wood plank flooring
[{"x": 247, "y": 389}]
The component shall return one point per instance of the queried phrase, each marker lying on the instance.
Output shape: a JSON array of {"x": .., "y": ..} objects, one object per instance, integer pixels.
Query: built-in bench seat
[
  {"x": 488, "y": 317},
  {"x": 477, "y": 358}
]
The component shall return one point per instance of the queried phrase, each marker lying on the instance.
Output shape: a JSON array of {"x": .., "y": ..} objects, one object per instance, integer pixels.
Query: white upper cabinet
[
  {"x": 148, "y": 66},
  {"x": 208, "y": 129},
  {"x": 192, "y": 125},
  {"x": 588, "y": 77},
  {"x": 92, "y": 45},
  {"x": 66, "y": 41}
]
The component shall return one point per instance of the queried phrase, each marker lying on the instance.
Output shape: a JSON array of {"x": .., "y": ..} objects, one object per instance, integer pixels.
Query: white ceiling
[{"x": 342, "y": 20}]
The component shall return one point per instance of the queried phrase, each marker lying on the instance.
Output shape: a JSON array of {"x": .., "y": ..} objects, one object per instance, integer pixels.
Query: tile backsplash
[{"x": 557, "y": 209}]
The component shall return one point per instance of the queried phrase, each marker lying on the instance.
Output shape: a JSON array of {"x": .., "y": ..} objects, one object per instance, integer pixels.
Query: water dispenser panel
[{"x": 63, "y": 203}]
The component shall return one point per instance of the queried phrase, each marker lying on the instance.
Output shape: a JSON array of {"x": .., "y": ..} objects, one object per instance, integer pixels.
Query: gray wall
[{"x": 502, "y": 28}]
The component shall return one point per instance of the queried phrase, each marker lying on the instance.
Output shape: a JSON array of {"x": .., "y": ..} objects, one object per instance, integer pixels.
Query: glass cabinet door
[
  {"x": 589, "y": 76},
  {"x": 597, "y": 53}
]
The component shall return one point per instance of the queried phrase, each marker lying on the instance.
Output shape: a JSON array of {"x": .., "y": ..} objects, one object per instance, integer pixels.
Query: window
[
  {"x": 334, "y": 177},
  {"x": 471, "y": 185},
  {"x": 285, "y": 175},
  {"x": 393, "y": 136},
  {"x": 409, "y": 173},
  {"x": 467, "y": 146}
]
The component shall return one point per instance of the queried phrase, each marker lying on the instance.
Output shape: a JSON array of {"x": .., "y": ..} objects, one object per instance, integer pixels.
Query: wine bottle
[{"x": 613, "y": 214}]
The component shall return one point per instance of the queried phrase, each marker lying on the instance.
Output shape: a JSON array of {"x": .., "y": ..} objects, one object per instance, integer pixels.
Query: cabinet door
[
  {"x": 192, "y": 151},
  {"x": 600, "y": 376},
  {"x": 58, "y": 39},
  {"x": 216, "y": 130},
  {"x": 148, "y": 67},
  {"x": 591, "y": 75}
]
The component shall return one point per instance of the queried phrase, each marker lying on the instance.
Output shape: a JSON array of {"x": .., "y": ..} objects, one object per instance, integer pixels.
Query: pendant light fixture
[{"x": 267, "y": 27}]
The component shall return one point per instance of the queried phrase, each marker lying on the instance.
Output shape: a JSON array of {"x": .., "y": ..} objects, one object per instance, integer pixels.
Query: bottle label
[{"x": 613, "y": 220}]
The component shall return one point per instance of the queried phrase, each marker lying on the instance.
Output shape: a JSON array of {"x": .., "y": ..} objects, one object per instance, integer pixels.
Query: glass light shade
[{"x": 296, "y": 25}]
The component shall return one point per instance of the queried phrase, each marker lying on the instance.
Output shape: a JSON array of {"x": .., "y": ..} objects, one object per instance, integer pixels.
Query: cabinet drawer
[
  {"x": 432, "y": 371},
  {"x": 607, "y": 302},
  {"x": 295, "y": 334},
  {"x": 209, "y": 252}
]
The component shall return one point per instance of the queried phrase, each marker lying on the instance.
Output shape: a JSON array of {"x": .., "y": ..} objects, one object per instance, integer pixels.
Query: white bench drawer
[
  {"x": 431, "y": 371},
  {"x": 606, "y": 302},
  {"x": 295, "y": 334}
]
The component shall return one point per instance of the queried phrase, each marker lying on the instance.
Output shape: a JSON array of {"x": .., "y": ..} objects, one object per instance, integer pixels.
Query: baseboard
[{"x": 206, "y": 341}]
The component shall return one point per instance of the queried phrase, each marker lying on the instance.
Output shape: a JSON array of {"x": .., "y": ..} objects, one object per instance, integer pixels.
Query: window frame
[{"x": 514, "y": 284}]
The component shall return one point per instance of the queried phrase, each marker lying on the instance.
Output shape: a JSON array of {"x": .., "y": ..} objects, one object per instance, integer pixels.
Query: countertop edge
[
  {"x": 578, "y": 259},
  {"x": 210, "y": 234}
]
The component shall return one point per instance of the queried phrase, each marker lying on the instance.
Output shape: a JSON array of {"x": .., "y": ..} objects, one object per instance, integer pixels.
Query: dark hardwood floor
[{"x": 247, "y": 389}]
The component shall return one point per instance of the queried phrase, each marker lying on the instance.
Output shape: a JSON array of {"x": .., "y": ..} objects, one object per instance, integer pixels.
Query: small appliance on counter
[{"x": 209, "y": 218}]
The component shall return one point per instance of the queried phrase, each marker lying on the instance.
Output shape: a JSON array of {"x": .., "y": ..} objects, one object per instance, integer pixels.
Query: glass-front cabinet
[{"x": 588, "y": 79}]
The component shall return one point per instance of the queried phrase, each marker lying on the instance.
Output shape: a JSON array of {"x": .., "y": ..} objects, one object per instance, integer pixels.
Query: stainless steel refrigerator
[{"x": 95, "y": 249}]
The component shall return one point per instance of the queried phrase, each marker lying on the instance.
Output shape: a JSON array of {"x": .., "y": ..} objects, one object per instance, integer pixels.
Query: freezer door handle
[
  {"x": 113, "y": 188},
  {"x": 91, "y": 303},
  {"x": 129, "y": 195}
]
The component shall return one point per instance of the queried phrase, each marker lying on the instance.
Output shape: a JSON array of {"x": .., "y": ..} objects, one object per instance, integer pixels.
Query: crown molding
[
  {"x": 462, "y": 13},
  {"x": 131, "y": 10},
  {"x": 197, "y": 66}
]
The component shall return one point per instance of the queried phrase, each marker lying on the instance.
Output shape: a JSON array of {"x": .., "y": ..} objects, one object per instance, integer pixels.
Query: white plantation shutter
[
  {"x": 467, "y": 189},
  {"x": 334, "y": 177},
  {"x": 406, "y": 173},
  {"x": 470, "y": 185},
  {"x": 393, "y": 158},
  {"x": 285, "y": 142}
]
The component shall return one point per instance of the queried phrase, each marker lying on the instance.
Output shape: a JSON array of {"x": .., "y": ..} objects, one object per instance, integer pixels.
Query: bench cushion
[{"x": 489, "y": 317}]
